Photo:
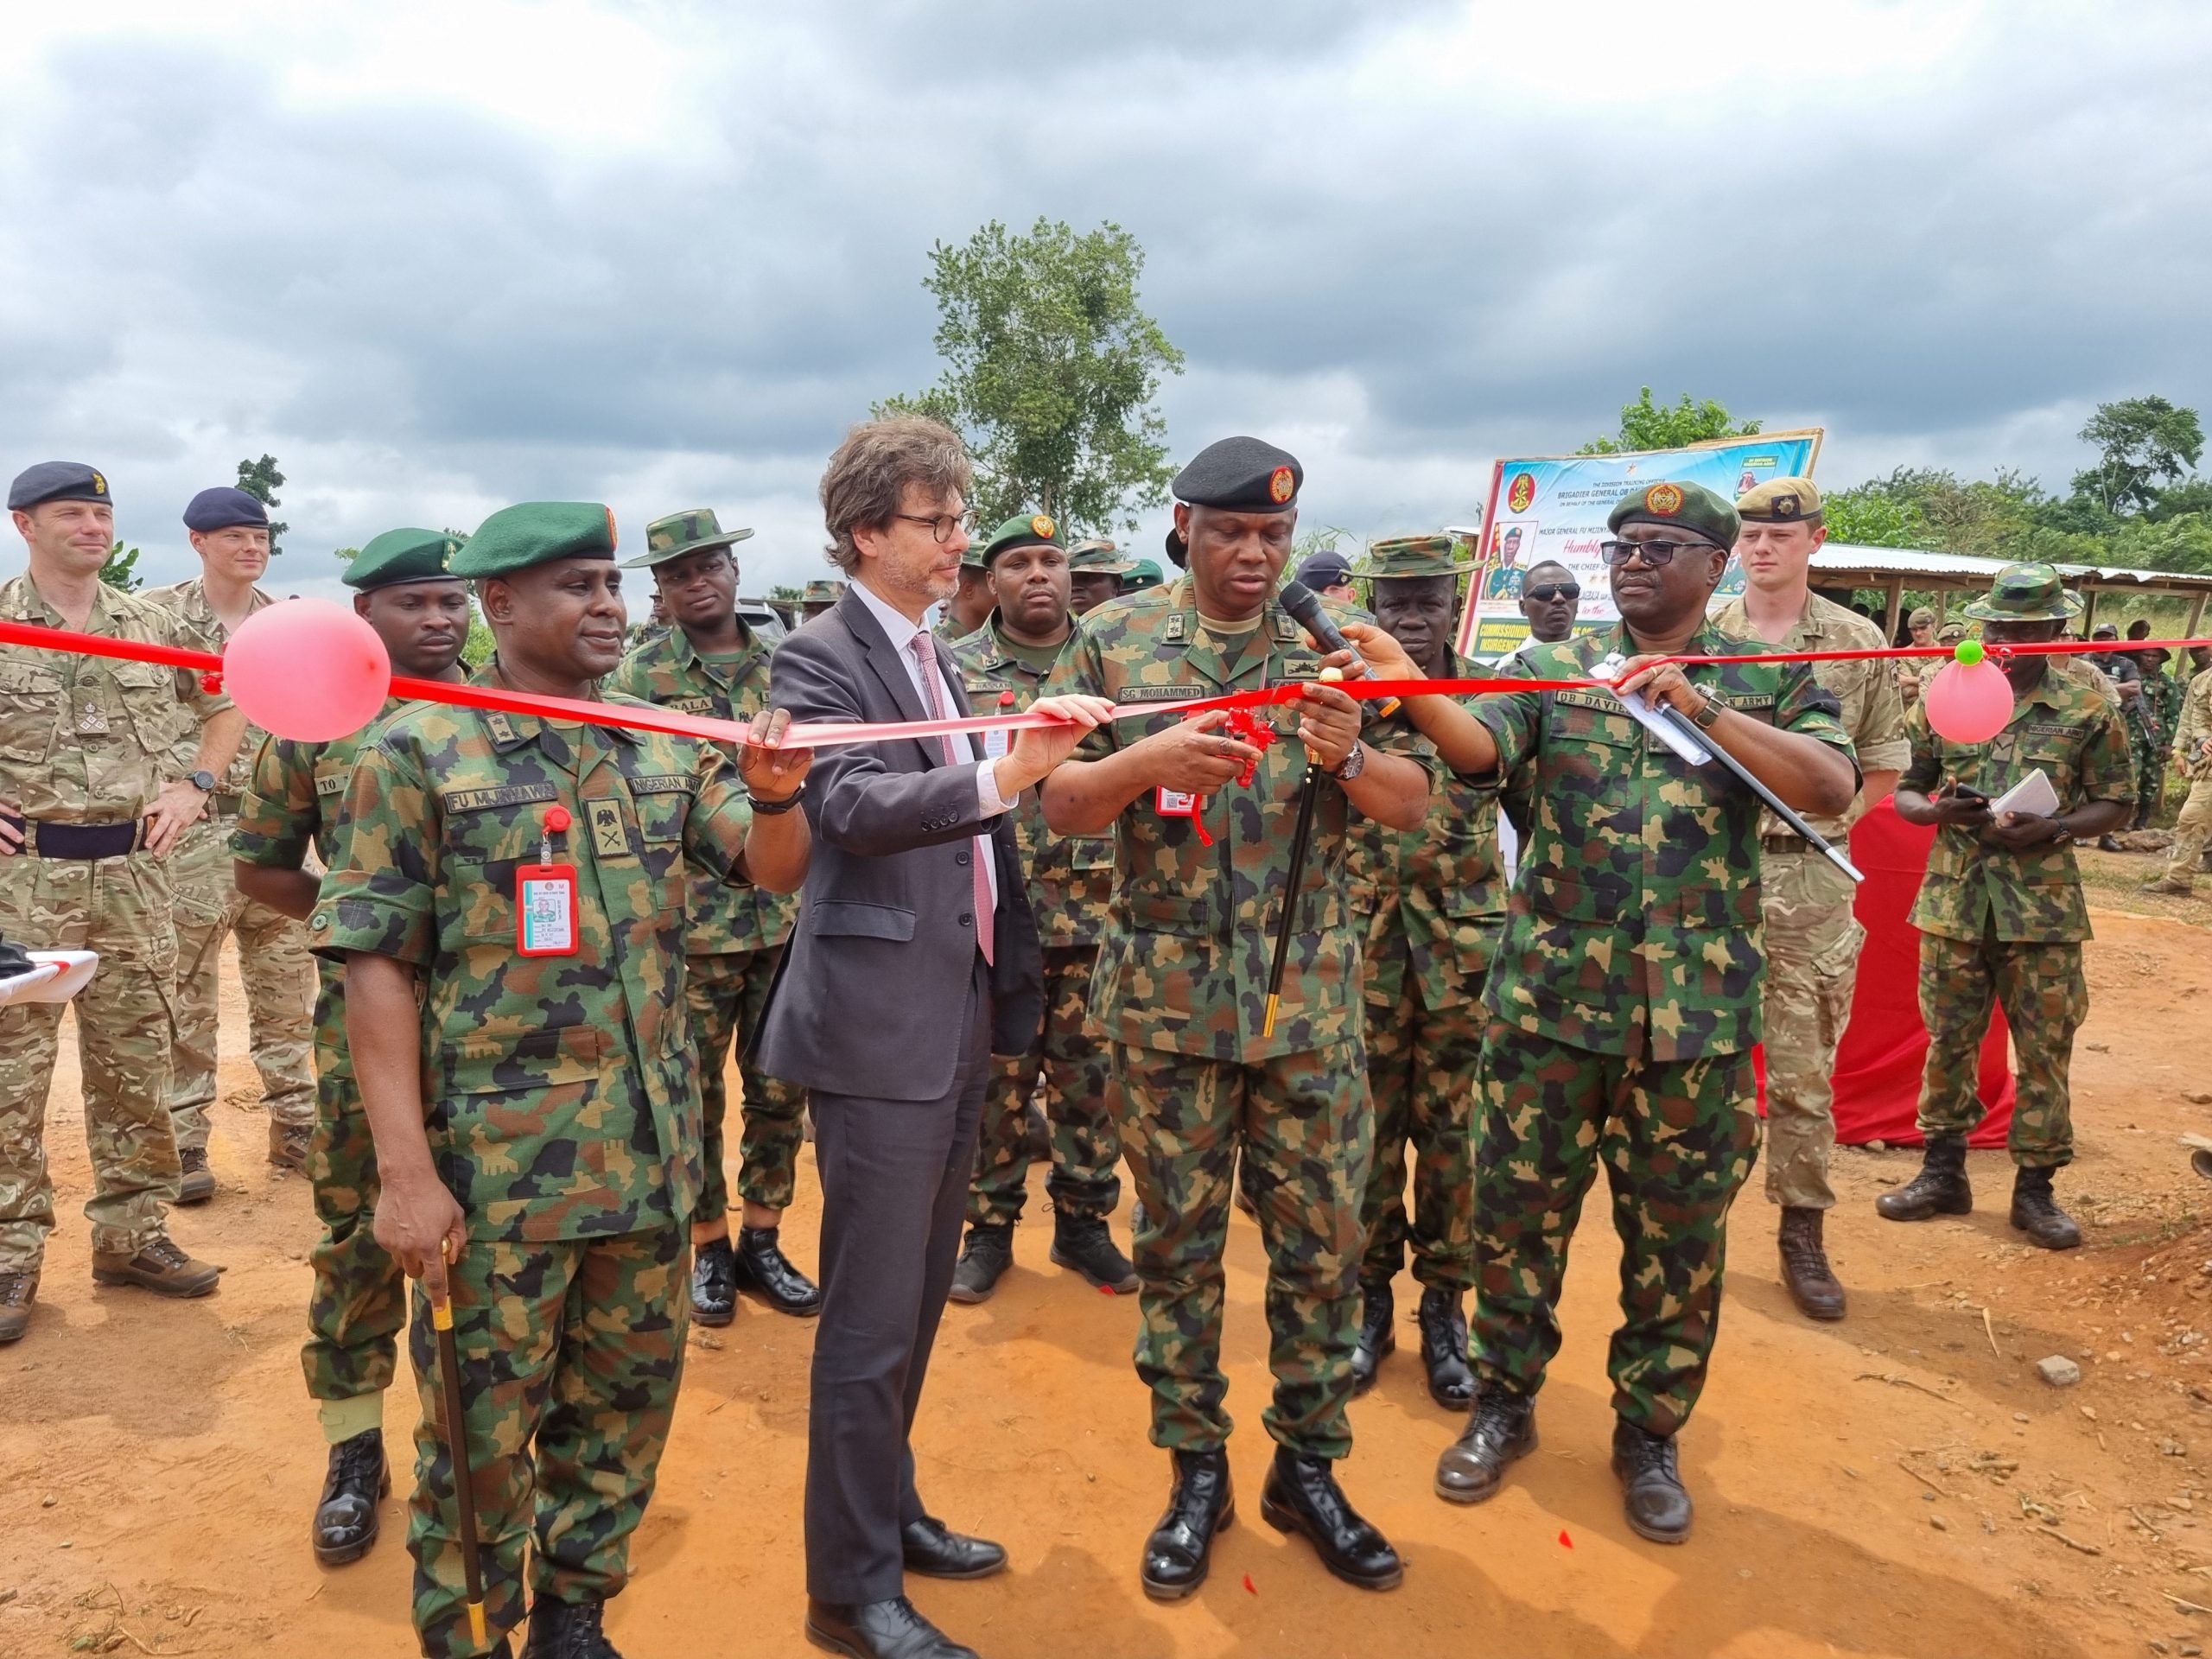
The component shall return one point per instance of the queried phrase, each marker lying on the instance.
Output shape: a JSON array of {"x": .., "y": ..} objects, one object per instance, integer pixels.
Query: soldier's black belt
[
  {"x": 1785, "y": 844},
  {"x": 44, "y": 840}
]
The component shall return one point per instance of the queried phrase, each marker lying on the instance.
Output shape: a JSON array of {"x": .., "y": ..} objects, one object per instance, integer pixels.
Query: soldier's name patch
[
  {"x": 477, "y": 800},
  {"x": 1609, "y": 704},
  {"x": 690, "y": 705},
  {"x": 333, "y": 783},
  {"x": 1162, "y": 693},
  {"x": 668, "y": 783}
]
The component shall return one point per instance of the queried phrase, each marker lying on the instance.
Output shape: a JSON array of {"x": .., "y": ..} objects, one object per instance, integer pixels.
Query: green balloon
[{"x": 1968, "y": 652}]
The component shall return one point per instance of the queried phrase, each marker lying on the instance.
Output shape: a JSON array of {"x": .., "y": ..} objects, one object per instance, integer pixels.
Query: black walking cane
[
  {"x": 1683, "y": 724},
  {"x": 1302, "y": 839},
  {"x": 464, "y": 1478}
]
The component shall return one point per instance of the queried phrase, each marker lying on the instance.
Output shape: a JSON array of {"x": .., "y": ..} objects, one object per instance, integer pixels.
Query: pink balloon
[
  {"x": 307, "y": 670},
  {"x": 1969, "y": 704}
]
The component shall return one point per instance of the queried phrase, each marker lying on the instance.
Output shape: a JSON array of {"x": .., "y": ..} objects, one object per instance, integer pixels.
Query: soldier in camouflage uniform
[
  {"x": 87, "y": 827},
  {"x": 818, "y": 596},
  {"x": 1433, "y": 899},
  {"x": 1180, "y": 995},
  {"x": 537, "y": 1123},
  {"x": 2001, "y": 912},
  {"x": 971, "y": 601},
  {"x": 295, "y": 807},
  {"x": 1812, "y": 939},
  {"x": 2153, "y": 718},
  {"x": 1003, "y": 664},
  {"x": 1624, "y": 997},
  {"x": 1095, "y": 573},
  {"x": 2192, "y": 757},
  {"x": 709, "y": 662},
  {"x": 228, "y": 530}
]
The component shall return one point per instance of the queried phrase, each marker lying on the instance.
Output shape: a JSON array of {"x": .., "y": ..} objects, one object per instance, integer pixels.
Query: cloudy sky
[{"x": 441, "y": 255}]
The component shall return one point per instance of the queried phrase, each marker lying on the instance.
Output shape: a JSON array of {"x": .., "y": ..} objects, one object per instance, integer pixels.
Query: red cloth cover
[{"x": 1877, "y": 1068}]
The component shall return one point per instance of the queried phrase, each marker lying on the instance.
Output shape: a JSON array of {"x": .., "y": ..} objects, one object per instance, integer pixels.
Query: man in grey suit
[{"x": 914, "y": 959}]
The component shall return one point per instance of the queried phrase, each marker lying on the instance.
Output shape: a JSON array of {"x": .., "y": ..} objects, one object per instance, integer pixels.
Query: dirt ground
[{"x": 1902, "y": 1484}]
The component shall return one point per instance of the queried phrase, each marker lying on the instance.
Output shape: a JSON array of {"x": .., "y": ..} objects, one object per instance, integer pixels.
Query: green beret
[
  {"x": 1099, "y": 558},
  {"x": 400, "y": 556},
  {"x": 536, "y": 533},
  {"x": 2025, "y": 593},
  {"x": 1144, "y": 573},
  {"x": 1403, "y": 557},
  {"x": 822, "y": 591},
  {"x": 1023, "y": 530},
  {"x": 1690, "y": 507},
  {"x": 1780, "y": 502},
  {"x": 693, "y": 531}
]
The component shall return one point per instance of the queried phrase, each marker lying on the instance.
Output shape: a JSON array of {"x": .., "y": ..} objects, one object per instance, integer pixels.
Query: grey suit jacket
[{"x": 872, "y": 987}]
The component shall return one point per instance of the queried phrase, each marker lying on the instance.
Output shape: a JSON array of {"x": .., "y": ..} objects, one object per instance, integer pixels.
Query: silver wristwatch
[{"x": 1355, "y": 763}]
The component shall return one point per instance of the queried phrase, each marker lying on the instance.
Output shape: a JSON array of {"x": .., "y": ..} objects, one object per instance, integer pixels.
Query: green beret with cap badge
[
  {"x": 1688, "y": 507},
  {"x": 536, "y": 533},
  {"x": 400, "y": 556}
]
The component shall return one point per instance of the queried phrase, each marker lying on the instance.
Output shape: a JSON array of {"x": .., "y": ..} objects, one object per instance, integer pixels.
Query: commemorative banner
[{"x": 1553, "y": 507}]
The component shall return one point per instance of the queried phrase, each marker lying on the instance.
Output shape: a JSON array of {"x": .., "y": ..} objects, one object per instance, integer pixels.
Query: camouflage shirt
[
  {"x": 1434, "y": 897},
  {"x": 297, "y": 799},
  {"x": 559, "y": 1091},
  {"x": 1070, "y": 877},
  {"x": 204, "y": 631},
  {"x": 669, "y": 672},
  {"x": 2081, "y": 743},
  {"x": 1183, "y": 964},
  {"x": 1634, "y": 925},
  {"x": 91, "y": 739},
  {"x": 1873, "y": 712},
  {"x": 2158, "y": 709},
  {"x": 2194, "y": 727}
]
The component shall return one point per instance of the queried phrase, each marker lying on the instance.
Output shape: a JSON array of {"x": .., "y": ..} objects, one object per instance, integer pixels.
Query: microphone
[{"x": 1303, "y": 603}]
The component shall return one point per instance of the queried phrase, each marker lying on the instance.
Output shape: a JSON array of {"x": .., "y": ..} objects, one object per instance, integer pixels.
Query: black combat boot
[
  {"x": 1200, "y": 1504},
  {"x": 1657, "y": 1503},
  {"x": 567, "y": 1629},
  {"x": 1086, "y": 1245},
  {"x": 1444, "y": 1349},
  {"x": 1500, "y": 1432},
  {"x": 1805, "y": 1271},
  {"x": 1302, "y": 1497},
  {"x": 1940, "y": 1189},
  {"x": 2035, "y": 1212},
  {"x": 983, "y": 1260},
  {"x": 346, "y": 1518},
  {"x": 763, "y": 1268},
  {"x": 1377, "y": 1339},
  {"x": 713, "y": 1282}
]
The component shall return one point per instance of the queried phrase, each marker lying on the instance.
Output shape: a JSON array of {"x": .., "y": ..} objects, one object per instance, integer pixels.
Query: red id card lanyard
[{"x": 545, "y": 897}]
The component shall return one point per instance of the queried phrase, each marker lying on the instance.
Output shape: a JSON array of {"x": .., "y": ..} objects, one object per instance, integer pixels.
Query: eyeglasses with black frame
[
  {"x": 1655, "y": 553},
  {"x": 942, "y": 524}
]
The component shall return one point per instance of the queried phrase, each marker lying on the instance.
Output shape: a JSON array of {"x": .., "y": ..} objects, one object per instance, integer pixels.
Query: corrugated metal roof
[{"x": 1839, "y": 558}]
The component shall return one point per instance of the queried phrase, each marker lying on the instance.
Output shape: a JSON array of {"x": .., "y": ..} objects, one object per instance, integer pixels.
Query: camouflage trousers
[
  {"x": 277, "y": 973},
  {"x": 1303, "y": 1123},
  {"x": 358, "y": 1298},
  {"x": 2046, "y": 999},
  {"x": 1678, "y": 1139},
  {"x": 1421, "y": 1067},
  {"x": 727, "y": 994},
  {"x": 2150, "y": 774},
  {"x": 121, "y": 908},
  {"x": 2192, "y": 830},
  {"x": 570, "y": 1353},
  {"x": 1812, "y": 967},
  {"x": 1078, "y": 1084}
]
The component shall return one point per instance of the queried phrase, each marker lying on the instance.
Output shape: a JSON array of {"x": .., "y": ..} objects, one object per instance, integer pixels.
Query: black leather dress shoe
[
  {"x": 1501, "y": 1431},
  {"x": 1179, "y": 1552},
  {"x": 1444, "y": 1349},
  {"x": 934, "y": 1551},
  {"x": 346, "y": 1518},
  {"x": 878, "y": 1629},
  {"x": 567, "y": 1629},
  {"x": 1302, "y": 1497},
  {"x": 1656, "y": 1502},
  {"x": 713, "y": 1282},
  {"x": 1377, "y": 1338},
  {"x": 763, "y": 1268}
]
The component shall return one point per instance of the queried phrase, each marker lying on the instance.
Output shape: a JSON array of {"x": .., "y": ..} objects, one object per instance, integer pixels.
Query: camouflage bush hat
[
  {"x": 1023, "y": 530},
  {"x": 1690, "y": 507},
  {"x": 823, "y": 590},
  {"x": 536, "y": 533},
  {"x": 2025, "y": 593},
  {"x": 1405, "y": 556},
  {"x": 1099, "y": 557},
  {"x": 400, "y": 556},
  {"x": 693, "y": 531}
]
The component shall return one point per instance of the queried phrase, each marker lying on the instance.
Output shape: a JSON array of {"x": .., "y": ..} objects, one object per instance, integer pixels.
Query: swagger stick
[
  {"x": 1300, "y": 839},
  {"x": 464, "y": 1478},
  {"x": 1682, "y": 723}
]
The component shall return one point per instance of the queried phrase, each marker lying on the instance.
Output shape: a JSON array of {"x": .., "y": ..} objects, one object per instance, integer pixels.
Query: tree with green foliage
[
  {"x": 785, "y": 593},
  {"x": 2139, "y": 441},
  {"x": 1051, "y": 368},
  {"x": 1647, "y": 425},
  {"x": 261, "y": 481},
  {"x": 121, "y": 569}
]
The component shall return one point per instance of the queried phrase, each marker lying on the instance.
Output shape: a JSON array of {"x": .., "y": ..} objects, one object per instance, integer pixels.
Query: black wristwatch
[
  {"x": 203, "y": 780},
  {"x": 776, "y": 808}
]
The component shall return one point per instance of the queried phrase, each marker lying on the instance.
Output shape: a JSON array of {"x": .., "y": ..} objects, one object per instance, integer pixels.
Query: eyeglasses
[
  {"x": 944, "y": 524},
  {"x": 1655, "y": 553},
  {"x": 1552, "y": 590}
]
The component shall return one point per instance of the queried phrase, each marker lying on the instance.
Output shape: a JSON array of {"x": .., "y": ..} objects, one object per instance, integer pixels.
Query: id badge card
[
  {"x": 545, "y": 910},
  {"x": 1174, "y": 803}
]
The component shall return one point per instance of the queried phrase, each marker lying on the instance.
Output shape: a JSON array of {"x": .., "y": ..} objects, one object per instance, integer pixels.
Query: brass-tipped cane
[
  {"x": 464, "y": 1480},
  {"x": 1301, "y": 838}
]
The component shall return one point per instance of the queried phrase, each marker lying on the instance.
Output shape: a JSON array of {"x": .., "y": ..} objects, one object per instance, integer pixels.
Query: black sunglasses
[
  {"x": 1655, "y": 553},
  {"x": 1552, "y": 590}
]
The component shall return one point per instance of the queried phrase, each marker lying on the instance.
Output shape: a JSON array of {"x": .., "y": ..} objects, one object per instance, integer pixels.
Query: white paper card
[{"x": 2032, "y": 795}]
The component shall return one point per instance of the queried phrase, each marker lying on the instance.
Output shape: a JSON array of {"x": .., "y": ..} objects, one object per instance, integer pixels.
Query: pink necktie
[{"x": 933, "y": 685}]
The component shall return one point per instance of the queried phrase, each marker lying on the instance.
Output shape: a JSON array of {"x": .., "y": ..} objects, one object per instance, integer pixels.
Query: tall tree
[
  {"x": 121, "y": 569},
  {"x": 261, "y": 481},
  {"x": 2140, "y": 441},
  {"x": 1647, "y": 425},
  {"x": 1051, "y": 368}
]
